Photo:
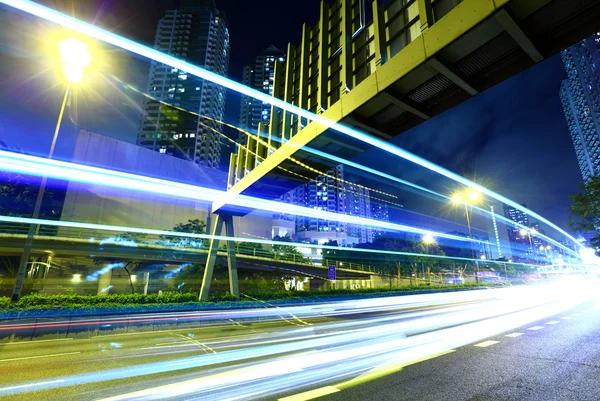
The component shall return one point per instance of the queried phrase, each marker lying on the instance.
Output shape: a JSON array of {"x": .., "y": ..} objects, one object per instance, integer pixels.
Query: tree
[
  {"x": 287, "y": 252},
  {"x": 250, "y": 248},
  {"x": 585, "y": 211},
  {"x": 195, "y": 226}
]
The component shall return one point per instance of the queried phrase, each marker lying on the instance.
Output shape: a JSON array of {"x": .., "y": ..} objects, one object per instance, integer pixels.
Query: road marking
[
  {"x": 566, "y": 317},
  {"x": 513, "y": 335},
  {"x": 536, "y": 328},
  {"x": 30, "y": 385},
  {"x": 486, "y": 343},
  {"x": 36, "y": 341},
  {"x": 553, "y": 322},
  {"x": 576, "y": 314},
  {"x": 309, "y": 395},
  {"x": 39, "y": 356},
  {"x": 202, "y": 346}
]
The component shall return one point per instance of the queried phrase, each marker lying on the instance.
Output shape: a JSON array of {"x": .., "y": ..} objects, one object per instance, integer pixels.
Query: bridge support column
[{"x": 220, "y": 220}]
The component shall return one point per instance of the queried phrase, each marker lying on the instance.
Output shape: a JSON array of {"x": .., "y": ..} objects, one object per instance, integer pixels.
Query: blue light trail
[
  {"x": 36, "y": 166},
  {"x": 134, "y": 47},
  {"x": 58, "y": 223}
]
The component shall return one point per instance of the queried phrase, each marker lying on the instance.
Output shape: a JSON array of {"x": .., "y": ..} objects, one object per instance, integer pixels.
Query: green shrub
[{"x": 175, "y": 300}]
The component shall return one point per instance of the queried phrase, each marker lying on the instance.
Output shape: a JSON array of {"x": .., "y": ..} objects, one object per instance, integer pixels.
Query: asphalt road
[
  {"x": 405, "y": 348},
  {"x": 555, "y": 358}
]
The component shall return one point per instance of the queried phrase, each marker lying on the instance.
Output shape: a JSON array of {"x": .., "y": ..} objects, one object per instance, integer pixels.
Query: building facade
[
  {"x": 380, "y": 212},
  {"x": 259, "y": 76},
  {"x": 579, "y": 95},
  {"x": 198, "y": 33},
  {"x": 329, "y": 192},
  {"x": 498, "y": 234}
]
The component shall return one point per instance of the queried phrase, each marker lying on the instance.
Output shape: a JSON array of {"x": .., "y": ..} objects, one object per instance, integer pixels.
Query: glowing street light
[
  {"x": 428, "y": 239},
  {"x": 457, "y": 198},
  {"x": 75, "y": 57},
  {"x": 473, "y": 196}
]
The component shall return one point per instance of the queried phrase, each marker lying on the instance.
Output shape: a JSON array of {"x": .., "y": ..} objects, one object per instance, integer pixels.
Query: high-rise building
[
  {"x": 379, "y": 211},
  {"x": 580, "y": 98},
  {"x": 332, "y": 193},
  {"x": 197, "y": 32},
  {"x": 259, "y": 76},
  {"x": 514, "y": 214},
  {"x": 358, "y": 203},
  {"x": 498, "y": 233}
]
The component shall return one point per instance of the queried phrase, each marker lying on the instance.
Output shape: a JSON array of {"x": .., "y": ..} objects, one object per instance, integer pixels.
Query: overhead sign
[{"x": 332, "y": 272}]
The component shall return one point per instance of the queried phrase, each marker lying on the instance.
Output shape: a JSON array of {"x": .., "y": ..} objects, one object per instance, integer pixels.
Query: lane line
[
  {"x": 576, "y": 314},
  {"x": 309, "y": 395},
  {"x": 36, "y": 341},
  {"x": 486, "y": 343},
  {"x": 513, "y": 335},
  {"x": 39, "y": 356},
  {"x": 536, "y": 328},
  {"x": 566, "y": 317},
  {"x": 553, "y": 322},
  {"x": 30, "y": 385}
]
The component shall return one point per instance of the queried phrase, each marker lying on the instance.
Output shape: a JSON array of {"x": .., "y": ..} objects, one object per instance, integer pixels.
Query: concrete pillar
[{"x": 104, "y": 282}]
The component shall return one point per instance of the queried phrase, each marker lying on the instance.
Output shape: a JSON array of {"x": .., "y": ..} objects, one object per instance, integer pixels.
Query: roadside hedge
[{"x": 35, "y": 305}]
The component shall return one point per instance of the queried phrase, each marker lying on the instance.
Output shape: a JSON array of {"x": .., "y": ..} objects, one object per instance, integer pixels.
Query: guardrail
[{"x": 100, "y": 237}]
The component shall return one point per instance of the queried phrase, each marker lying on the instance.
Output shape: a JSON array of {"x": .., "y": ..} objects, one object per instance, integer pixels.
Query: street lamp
[
  {"x": 428, "y": 239},
  {"x": 470, "y": 197},
  {"x": 75, "y": 57}
]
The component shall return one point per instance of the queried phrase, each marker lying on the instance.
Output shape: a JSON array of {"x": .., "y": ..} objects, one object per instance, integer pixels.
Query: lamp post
[
  {"x": 427, "y": 240},
  {"x": 467, "y": 198},
  {"x": 75, "y": 57},
  {"x": 527, "y": 233}
]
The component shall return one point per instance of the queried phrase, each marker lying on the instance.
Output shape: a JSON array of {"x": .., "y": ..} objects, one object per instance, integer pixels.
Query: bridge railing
[{"x": 104, "y": 237}]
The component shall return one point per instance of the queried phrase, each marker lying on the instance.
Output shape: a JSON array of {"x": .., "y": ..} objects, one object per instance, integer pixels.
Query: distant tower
[
  {"x": 198, "y": 33},
  {"x": 260, "y": 77},
  {"x": 579, "y": 95},
  {"x": 379, "y": 211}
]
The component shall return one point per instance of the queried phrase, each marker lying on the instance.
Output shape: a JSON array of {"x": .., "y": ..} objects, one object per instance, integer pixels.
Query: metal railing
[{"x": 102, "y": 237}]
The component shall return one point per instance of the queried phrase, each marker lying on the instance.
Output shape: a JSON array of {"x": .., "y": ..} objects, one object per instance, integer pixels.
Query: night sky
[{"x": 512, "y": 138}]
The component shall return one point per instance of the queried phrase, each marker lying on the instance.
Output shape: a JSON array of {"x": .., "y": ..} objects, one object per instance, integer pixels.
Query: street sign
[{"x": 332, "y": 273}]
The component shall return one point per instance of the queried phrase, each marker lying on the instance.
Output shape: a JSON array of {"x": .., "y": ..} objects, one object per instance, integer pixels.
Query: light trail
[
  {"x": 256, "y": 137},
  {"x": 36, "y": 166},
  {"x": 145, "y": 51},
  {"x": 341, "y": 353},
  {"x": 104, "y": 227},
  {"x": 338, "y": 160}
]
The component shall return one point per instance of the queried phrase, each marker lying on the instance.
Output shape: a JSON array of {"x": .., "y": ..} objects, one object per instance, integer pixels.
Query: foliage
[
  {"x": 18, "y": 195},
  {"x": 288, "y": 252},
  {"x": 388, "y": 263},
  {"x": 189, "y": 301},
  {"x": 132, "y": 236},
  {"x": 585, "y": 211},
  {"x": 195, "y": 226},
  {"x": 250, "y": 248}
]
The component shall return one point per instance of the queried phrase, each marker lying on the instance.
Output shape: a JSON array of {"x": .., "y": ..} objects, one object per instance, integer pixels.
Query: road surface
[{"x": 528, "y": 342}]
